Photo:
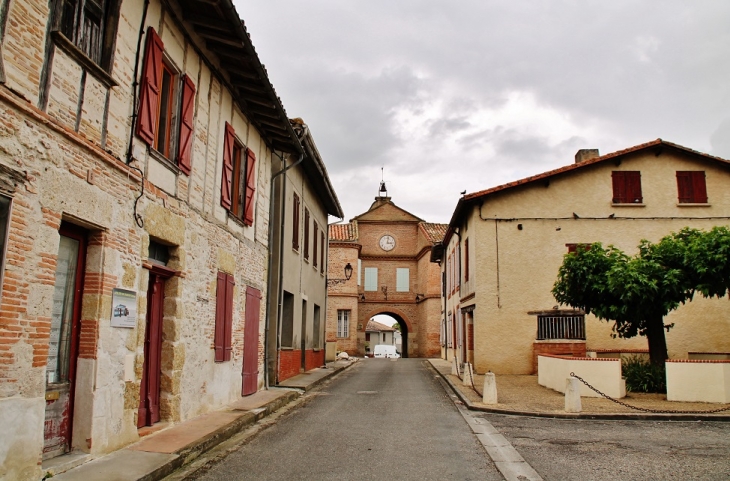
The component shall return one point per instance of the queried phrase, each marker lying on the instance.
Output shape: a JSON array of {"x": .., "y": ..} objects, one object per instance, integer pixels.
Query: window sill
[
  {"x": 236, "y": 219},
  {"x": 167, "y": 163},
  {"x": 286, "y": 348},
  {"x": 73, "y": 51},
  {"x": 693, "y": 204},
  {"x": 628, "y": 204}
]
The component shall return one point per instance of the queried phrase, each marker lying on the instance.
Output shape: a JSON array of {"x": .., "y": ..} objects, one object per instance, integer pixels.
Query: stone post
[
  {"x": 454, "y": 367},
  {"x": 490, "y": 389},
  {"x": 467, "y": 379},
  {"x": 572, "y": 395}
]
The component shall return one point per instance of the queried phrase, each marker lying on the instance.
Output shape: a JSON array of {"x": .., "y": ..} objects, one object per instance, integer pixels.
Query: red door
[
  {"x": 251, "y": 342},
  {"x": 149, "y": 396}
]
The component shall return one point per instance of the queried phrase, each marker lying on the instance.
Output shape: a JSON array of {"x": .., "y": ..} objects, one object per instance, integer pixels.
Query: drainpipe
[{"x": 280, "y": 292}]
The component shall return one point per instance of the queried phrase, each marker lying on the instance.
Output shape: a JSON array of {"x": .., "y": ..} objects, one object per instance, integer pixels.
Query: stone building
[
  {"x": 138, "y": 143},
  {"x": 504, "y": 245},
  {"x": 388, "y": 250}
]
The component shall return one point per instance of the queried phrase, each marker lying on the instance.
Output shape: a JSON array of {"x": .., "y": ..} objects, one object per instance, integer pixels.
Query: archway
[{"x": 392, "y": 319}]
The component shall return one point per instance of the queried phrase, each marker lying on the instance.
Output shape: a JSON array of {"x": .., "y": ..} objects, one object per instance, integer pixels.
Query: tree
[
  {"x": 396, "y": 326},
  {"x": 637, "y": 292}
]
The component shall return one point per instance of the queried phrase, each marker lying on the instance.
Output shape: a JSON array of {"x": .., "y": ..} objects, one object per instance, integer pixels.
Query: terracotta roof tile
[
  {"x": 343, "y": 232},
  {"x": 376, "y": 326},
  {"x": 434, "y": 232}
]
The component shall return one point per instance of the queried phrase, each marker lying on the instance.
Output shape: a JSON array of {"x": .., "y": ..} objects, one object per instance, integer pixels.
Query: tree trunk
[{"x": 657, "y": 340}]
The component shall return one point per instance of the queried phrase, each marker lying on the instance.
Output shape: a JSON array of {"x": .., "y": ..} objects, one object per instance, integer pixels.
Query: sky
[{"x": 447, "y": 96}]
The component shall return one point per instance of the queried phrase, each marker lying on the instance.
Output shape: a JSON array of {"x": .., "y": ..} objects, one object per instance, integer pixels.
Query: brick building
[
  {"x": 138, "y": 144},
  {"x": 504, "y": 245},
  {"x": 388, "y": 249}
]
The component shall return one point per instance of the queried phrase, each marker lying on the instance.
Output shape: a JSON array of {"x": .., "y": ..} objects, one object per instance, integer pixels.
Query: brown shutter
[
  {"x": 250, "y": 186},
  {"x": 699, "y": 187},
  {"x": 684, "y": 187},
  {"x": 228, "y": 330},
  {"x": 314, "y": 246},
  {"x": 466, "y": 260},
  {"x": 186, "y": 125},
  {"x": 220, "y": 313},
  {"x": 619, "y": 187},
  {"x": 149, "y": 95},
  {"x": 251, "y": 341},
  {"x": 227, "y": 182},
  {"x": 633, "y": 187},
  {"x": 295, "y": 223},
  {"x": 306, "y": 233},
  {"x": 324, "y": 255}
]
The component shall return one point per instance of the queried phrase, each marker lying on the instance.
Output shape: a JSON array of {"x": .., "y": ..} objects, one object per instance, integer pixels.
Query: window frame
[{"x": 691, "y": 187}]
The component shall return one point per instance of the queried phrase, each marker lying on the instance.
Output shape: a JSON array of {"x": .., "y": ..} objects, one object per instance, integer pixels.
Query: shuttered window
[
  {"x": 324, "y": 253},
  {"x": 250, "y": 187},
  {"x": 691, "y": 187},
  {"x": 343, "y": 323},
  {"x": 371, "y": 278},
  {"x": 627, "y": 187},
  {"x": 149, "y": 98},
  {"x": 296, "y": 208},
  {"x": 185, "y": 144},
  {"x": 223, "y": 317},
  {"x": 466, "y": 260},
  {"x": 315, "y": 251},
  {"x": 306, "y": 233},
  {"x": 238, "y": 183},
  {"x": 229, "y": 143},
  {"x": 402, "y": 279}
]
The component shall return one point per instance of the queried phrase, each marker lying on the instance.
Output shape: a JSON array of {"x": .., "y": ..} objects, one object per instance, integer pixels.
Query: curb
[{"x": 607, "y": 416}]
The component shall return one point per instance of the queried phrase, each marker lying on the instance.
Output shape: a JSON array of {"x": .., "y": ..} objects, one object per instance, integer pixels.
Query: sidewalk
[
  {"x": 522, "y": 395},
  {"x": 160, "y": 453}
]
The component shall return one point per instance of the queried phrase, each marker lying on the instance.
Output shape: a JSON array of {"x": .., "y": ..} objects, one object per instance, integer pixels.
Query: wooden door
[
  {"x": 149, "y": 396},
  {"x": 64, "y": 341},
  {"x": 251, "y": 342}
]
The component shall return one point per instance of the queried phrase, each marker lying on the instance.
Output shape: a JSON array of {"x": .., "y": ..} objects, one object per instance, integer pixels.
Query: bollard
[
  {"x": 467, "y": 379},
  {"x": 490, "y": 389},
  {"x": 572, "y": 395},
  {"x": 454, "y": 367}
]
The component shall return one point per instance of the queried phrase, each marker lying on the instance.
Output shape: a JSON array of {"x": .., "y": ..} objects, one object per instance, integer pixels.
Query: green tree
[
  {"x": 396, "y": 326},
  {"x": 637, "y": 292}
]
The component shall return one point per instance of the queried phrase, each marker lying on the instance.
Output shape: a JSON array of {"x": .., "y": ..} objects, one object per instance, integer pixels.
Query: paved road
[
  {"x": 565, "y": 450},
  {"x": 380, "y": 420}
]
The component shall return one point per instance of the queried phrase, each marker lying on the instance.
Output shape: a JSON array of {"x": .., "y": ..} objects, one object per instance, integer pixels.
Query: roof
[
  {"x": 376, "y": 326},
  {"x": 657, "y": 144},
  {"x": 225, "y": 35},
  {"x": 343, "y": 232},
  {"x": 434, "y": 232}
]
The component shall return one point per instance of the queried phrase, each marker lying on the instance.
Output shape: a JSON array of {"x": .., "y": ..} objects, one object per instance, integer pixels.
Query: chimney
[{"x": 586, "y": 154}]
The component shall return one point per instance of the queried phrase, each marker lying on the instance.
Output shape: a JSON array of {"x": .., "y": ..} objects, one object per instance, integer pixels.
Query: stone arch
[{"x": 407, "y": 329}]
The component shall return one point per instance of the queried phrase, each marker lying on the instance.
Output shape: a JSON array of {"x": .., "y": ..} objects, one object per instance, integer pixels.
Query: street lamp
[{"x": 348, "y": 274}]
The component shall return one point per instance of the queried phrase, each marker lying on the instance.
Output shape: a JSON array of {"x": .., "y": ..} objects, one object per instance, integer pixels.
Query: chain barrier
[{"x": 655, "y": 411}]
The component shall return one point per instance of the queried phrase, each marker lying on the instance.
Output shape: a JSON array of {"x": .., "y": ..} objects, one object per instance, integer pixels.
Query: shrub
[{"x": 643, "y": 376}]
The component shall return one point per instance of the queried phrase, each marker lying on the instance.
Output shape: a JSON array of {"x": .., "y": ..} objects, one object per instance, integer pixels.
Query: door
[
  {"x": 64, "y": 341},
  {"x": 251, "y": 342},
  {"x": 304, "y": 336},
  {"x": 149, "y": 395}
]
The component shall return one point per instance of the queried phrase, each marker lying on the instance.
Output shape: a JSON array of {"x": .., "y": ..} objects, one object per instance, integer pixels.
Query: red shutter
[
  {"x": 220, "y": 313},
  {"x": 314, "y": 247},
  {"x": 228, "y": 330},
  {"x": 619, "y": 187},
  {"x": 250, "y": 186},
  {"x": 324, "y": 256},
  {"x": 295, "y": 224},
  {"x": 306, "y": 233},
  {"x": 699, "y": 187},
  {"x": 466, "y": 260},
  {"x": 149, "y": 95},
  {"x": 227, "y": 182},
  {"x": 684, "y": 187},
  {"x": 251, "y": 341},
  {"x": 634, "y": 187},
  {"x": 186, "y": 125}
]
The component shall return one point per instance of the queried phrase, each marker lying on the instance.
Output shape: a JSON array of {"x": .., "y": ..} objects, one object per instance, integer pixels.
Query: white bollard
[
  {"x": 467, "y": 379},
  {"x": 454, "y": 367},
  {"x": 572, "y": 395},
  {"x": 490, "y": 389}
]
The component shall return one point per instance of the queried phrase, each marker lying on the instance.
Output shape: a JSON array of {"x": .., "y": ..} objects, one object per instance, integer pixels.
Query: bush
[{"x": 643, "y": 376}]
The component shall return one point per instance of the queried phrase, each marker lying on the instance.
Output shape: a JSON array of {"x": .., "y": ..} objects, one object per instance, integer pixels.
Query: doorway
[
  {"x": 400, "y": 336},
  {"x": 251, "y": 342},
  {"x": 64, "y": 341},
  {"x": 149, "y": 395},
  {"x": 304, "y": 336}
]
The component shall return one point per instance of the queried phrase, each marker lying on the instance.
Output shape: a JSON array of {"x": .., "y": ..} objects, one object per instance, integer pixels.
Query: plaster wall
[{"x": 698, "y": 381}]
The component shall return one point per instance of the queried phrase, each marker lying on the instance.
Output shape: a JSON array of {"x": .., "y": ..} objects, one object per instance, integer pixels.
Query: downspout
[{"x": 281, "y": 266}]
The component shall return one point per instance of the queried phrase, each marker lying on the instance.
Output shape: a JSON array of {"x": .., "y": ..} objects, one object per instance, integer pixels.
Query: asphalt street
[
  {"x": 381, "y": 419},
  {"x": 560, "y": 449}
]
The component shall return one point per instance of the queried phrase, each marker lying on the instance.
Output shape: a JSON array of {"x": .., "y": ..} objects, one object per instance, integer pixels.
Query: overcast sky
[{"x": 469, "y": 94}]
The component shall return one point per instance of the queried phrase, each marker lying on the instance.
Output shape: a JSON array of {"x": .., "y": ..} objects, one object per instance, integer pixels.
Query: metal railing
[{"x": 561, "y": 327}]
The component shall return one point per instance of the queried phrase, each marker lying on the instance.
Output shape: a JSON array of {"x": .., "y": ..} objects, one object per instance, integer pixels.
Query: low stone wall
[
  {"x": 698, "y": 380},
  {"x": 617, "y": 353},
  {"x": 709, "y": 356},
  {"x": 603, "y": 374}
]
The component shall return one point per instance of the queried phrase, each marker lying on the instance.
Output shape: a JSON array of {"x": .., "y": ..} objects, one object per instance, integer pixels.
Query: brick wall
[{"x": 566, "y": 348}]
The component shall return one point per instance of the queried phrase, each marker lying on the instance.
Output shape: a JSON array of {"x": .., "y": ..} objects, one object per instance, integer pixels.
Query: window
[
  {"x": 371, "y": 278},
  {"x": 239, "y": 180},
  {"x": 316, "y": 326},
  {"x": 402, "y": 279},
  {"x": 287, "y": 321},
  {"x": 343, "y": 323},
  {"x": 359, "y": 271},
  {"x": 223, "y": 316},
  {"x": 324, "y": 255},
  {"x": 89, "y": 26},
  {"x": 691, "y": 187},
  {"x": 296, "y": 207},
  {"x": 466, "y": 260},
  {"x": 4, "y": 222},
  {"x": 314, "y": 246},
  {"x": 561, "y": 327},
  {"x": 306, "y": 234},
  {"x": 574, "y": 247},
  {"x": 627, "y": 187}
]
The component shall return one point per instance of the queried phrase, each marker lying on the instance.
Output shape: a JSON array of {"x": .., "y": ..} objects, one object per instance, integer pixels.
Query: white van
[{"x": 384, "y": 350}]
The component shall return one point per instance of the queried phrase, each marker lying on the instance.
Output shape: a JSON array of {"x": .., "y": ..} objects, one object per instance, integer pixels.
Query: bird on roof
[{"x": 463, "y": 192}]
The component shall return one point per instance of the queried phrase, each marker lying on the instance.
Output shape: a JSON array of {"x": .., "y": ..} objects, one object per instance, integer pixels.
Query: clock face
[{"x": 387, "y": 242}]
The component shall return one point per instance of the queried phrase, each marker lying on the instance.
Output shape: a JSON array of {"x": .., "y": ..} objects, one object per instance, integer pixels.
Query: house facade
[
  {"x": 388, "y": 250},
  {"x": 139, "y": 142},
  {"x": 504, "y": 245}
]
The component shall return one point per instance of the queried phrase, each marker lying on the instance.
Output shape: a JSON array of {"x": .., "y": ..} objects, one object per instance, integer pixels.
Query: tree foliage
[{"x": 636, "y": 292}]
